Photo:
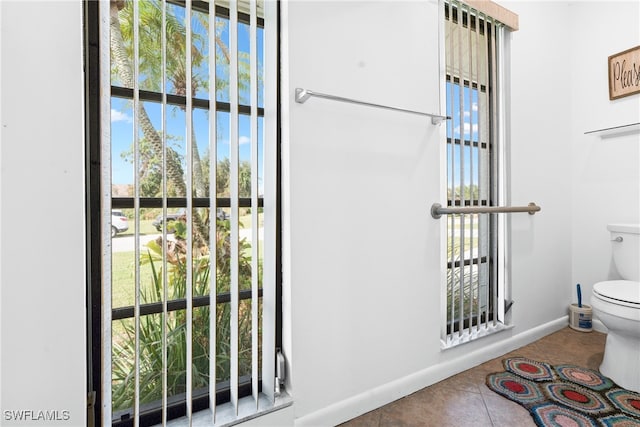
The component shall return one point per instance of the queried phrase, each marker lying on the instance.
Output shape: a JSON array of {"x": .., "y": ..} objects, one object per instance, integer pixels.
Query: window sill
[
  {"x": 484, "y": 331},
  {"x": 225, "y": 415}
]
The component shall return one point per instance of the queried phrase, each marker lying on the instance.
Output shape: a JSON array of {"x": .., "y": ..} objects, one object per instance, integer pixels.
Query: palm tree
[
  {"x": 123, "y": 69},
  {"x": 151, "y": 66}
]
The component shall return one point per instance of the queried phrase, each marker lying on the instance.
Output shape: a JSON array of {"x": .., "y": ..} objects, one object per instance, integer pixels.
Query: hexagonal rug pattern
[{"x": 565, "y": 395}]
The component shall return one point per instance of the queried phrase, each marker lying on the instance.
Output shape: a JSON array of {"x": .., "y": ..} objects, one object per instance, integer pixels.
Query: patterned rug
[{"x": 566, "y": 395}]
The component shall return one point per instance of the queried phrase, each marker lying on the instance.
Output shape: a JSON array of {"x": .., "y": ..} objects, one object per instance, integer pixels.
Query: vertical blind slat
[
  {"x": 233, "y": 136},
  {"x": 165, "y": 284},
  {"x": 499, "y": 119},
  {"x": 253, "y": 61},
  {"x": 465, "y": 109},
  {"x": 459, "y": 30},
  {"x": 495, "y": 166},
  {"x": 213, "y": 197},
  {"x": 474, "y": 286},
  {"x": 475, "y": 230},
  {"x": 482, "y": 184},
  {"x": 136, "y": 191},
  {"x": 190, "y": 213},
  {"x": 451, "y": 280},
  {"x": 269, "y": 304}
]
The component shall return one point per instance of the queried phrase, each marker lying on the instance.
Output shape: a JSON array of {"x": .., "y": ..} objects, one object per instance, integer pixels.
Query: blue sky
[
  {"x": 122, "y": 114},
  {"x": 468, "y": 129}
]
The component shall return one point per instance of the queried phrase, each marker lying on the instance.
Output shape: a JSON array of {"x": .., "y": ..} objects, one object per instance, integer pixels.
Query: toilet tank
[{"x": 626, "y": 252}]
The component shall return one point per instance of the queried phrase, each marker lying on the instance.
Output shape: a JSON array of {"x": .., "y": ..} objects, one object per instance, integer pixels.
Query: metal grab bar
[
  {"x": 437, "y": 210},
  {"x": 303, "y": 94}
]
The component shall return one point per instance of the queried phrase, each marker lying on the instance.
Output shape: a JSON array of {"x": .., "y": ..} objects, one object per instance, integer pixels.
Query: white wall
[
  {"x": 606, "y": 172},
  {"x": 363, "y": 275},
  {"x": 42, "y": 256},
  {"x": 362, "y": 271},
  {"x": 540, "y": 162}
]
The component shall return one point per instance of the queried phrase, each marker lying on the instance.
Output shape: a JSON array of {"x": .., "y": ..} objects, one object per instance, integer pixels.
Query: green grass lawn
[
  {"x": 123, "y": 278},
  {"x": 123, "y": 263},
  {"x": 145, "y": 228}
]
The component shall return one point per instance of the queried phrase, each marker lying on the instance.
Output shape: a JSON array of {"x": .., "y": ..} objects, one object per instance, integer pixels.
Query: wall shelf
[{"x": 614, "y": 131}]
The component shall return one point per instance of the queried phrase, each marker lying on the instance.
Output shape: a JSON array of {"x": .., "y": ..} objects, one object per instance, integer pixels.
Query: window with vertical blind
[
  {"x": 187, "y": 153},
  {"x": 475, "y": 242}
]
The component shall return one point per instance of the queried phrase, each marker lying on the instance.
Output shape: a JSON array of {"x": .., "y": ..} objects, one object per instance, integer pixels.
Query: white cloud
[
  {"x": 242, "y": 140},
  {"x": 119, "y": 116},
  {"x": 467, "y": 126}
]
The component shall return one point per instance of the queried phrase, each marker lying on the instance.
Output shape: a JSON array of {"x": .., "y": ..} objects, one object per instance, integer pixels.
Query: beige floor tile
[
  {"x": 437, "y": 406},
  {"x": 465, "y": 400},
  {"x": 370, "y": 419},
  {"x": 505, "y": 413}
]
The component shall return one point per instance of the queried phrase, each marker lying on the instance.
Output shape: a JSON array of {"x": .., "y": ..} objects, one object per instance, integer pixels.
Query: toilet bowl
[{"x": 617, "y": 304}]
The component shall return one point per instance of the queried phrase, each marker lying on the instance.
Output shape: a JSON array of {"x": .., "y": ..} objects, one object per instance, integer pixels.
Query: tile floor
[{"x": 464, "y": 399}]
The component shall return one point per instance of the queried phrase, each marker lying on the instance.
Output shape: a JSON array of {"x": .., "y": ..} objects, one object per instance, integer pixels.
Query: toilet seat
[{"x": 620, "y": 292}]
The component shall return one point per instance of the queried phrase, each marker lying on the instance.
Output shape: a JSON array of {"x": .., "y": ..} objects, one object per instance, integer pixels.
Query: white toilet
[{"x": 617, "y": 304}]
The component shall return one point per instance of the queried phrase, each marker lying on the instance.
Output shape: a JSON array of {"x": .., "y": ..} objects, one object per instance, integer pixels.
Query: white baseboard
[{"x": 359, "y": 404}]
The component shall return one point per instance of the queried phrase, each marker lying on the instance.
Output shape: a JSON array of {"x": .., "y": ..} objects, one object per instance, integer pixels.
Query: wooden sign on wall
[{"x": 624, "y": 73}]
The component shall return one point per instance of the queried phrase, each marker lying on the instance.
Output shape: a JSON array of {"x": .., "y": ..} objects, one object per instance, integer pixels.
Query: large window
[
  {"x": 185, "y": 284},
  {"x": 475, "y": 270}
]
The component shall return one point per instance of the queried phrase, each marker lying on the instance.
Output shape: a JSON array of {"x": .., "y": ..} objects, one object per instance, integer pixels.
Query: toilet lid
[{"x": 625, "y": 291}]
